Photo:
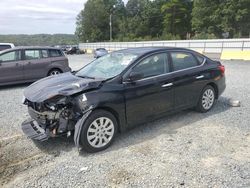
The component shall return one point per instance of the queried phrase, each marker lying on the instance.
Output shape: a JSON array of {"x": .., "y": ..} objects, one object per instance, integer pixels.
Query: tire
[
  {"x": 94, "y": 136},
  {"x": 206, "y": 100},
  {"x": 54, "y": 72}
]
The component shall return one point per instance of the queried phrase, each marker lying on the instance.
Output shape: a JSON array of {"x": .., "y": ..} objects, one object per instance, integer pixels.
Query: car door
[
  {"x": 36, "y": 63},
  {"x": 152, "y": 95},
  {"x": 11, "y": 67},
  {"x": 188, "y": 78}
]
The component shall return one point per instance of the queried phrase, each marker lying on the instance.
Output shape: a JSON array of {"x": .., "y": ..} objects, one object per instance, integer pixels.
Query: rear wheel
[
  {"x": 54, "y": 72},
  {"x": 207, "y": 99},
  {"x": 98, "y": 131}
]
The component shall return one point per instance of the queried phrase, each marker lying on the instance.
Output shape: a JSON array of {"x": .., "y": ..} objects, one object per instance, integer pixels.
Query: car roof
[
  {"x": 144, "y": 50},
  {"x": 29, "y": 48},
  {"x": 11, "y": 44}
]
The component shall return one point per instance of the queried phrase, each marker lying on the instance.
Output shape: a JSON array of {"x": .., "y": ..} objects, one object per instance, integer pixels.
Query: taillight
[{"x": 222, "y": 69}]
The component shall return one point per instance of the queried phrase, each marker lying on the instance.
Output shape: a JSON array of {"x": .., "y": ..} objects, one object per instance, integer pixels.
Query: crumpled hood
[{"x": 63, "y": 84}]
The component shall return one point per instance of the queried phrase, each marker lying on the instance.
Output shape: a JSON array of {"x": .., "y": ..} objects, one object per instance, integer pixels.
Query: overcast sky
[{"x": 39, "y": 16}]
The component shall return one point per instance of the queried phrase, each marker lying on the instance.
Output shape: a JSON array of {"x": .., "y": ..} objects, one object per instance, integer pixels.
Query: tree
[
  {"x": 177, "y": 14},
  {"x": 163, "y": 19},
  {"x": 93, "y": 21},
  {"x": 221, "y": 16}
]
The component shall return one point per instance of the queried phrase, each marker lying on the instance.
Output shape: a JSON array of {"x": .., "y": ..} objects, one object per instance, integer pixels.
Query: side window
[
  {"x": 4, "y": 47},
  {"x": 32, "y": 54},
  {"x": 45, "y": 53},
  {"x": 200, "y": 59},
  {"x": 182, "y": 60},
  {"x": 10, "y": 56},
  {"x": 55, "y": 53},
  {"x": 153, "y": 65}
]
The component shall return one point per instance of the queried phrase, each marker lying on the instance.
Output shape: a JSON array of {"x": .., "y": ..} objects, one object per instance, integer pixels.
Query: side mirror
[{"x": 133, "y": 76}]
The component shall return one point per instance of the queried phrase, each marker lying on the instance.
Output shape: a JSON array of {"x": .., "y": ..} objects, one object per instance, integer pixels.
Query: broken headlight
[
  {"x": 55, "y": 102},
  {"x": 83, "y": 102}
]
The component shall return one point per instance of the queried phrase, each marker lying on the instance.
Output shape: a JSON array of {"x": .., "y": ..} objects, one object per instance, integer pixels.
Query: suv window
[
  {"x": 55, "y": 53},
  {"x": 183, "y": 60},
  {"x": 152, "y": 66},
  {"x": 32, "y": 54},
  {"x": 11, "y": 56},
  {"x": 45, "y": 53}
]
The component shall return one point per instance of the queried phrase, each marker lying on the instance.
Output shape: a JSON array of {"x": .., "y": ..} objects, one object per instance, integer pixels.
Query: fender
[{"x": 78, "y": 128}]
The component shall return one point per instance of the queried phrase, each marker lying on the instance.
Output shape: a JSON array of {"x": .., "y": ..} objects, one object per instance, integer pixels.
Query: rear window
[
  {"x": 4, "y": 47},
  {"x": 55, "y": 53},
  {"x": 45, "y": 53},
  {"x": 200, "y": 59},
  {"x": 183, "y": 60}
]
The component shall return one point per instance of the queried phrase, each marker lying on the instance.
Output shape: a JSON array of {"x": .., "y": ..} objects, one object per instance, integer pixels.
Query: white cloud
[
  {"x": 44, "y": 9},
  {"x": 33, "y": 16}
]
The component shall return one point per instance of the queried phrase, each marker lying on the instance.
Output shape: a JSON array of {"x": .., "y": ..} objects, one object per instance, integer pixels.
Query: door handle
[
  {"x": 200, "y": 77},
  {"x": 167, "y": 85}
]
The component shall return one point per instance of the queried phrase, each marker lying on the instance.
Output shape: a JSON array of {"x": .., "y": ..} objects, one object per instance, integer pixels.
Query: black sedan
[{"x": 120, "y": 90}]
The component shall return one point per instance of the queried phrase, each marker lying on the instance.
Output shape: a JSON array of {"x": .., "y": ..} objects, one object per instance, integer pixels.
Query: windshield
[{"x": 107, "y": 66}]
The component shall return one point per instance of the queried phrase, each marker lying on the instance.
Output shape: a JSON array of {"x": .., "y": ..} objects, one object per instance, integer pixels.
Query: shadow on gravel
[
  {"x": 166, "y": 125},
  {"x": 54, "y": 146}
]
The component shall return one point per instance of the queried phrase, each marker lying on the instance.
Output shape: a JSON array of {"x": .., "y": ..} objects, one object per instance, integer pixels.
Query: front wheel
[
  {"x": 207, "y": 99},
  {"x": 98, "y": 131}
]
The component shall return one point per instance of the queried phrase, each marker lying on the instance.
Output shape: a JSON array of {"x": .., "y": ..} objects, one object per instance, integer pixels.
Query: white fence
[{"x": 206, "y": 46}]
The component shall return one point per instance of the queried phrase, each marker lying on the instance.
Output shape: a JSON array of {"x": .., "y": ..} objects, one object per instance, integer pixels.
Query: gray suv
[{"x": 28, "y": 64}]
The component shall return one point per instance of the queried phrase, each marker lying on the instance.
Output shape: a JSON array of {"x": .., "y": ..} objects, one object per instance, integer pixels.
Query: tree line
[
  {"x": 40, "y": 39},
  {"x": 163, "y": 20}
]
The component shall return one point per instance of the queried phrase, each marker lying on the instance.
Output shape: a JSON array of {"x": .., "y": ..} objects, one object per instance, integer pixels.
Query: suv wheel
[
  {"x": 98, "y": 131},
  {"x": 54, "y": 72},
  {"x": 207, "y": 99}
]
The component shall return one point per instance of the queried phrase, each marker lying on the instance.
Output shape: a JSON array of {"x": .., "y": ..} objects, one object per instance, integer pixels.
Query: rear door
[
  {"x": 152, "y": 95},
  {"x": 36, "y": 63},
  {"x": 58, "y": 59},
  {"x": 11, "y": 67},
  {"x": 188, "y": 74}
]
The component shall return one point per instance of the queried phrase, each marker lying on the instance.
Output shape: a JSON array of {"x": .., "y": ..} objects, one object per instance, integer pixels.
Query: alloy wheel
[
  {"x": 54, "y": 72},
  {"x": 208, "y": 99},
  {"x": 100, "y": 132}
]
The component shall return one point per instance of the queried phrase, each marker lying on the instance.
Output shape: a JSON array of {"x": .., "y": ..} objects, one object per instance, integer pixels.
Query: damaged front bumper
[{"x": 32, "y": 130}]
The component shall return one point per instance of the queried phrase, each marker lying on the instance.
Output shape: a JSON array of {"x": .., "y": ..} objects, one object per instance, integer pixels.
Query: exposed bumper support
[{"x": 32, "y": 130}]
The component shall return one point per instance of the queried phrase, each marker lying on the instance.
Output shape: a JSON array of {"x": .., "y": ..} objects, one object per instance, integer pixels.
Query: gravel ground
[{"x": 187, "y": 149}]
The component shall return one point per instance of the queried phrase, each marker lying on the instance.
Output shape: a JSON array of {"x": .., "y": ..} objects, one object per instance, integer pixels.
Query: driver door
[{"x": 152, "y": 95}]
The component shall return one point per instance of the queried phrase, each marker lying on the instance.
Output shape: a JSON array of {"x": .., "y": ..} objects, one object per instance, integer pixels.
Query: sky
[{"x": 39, "y": 16}]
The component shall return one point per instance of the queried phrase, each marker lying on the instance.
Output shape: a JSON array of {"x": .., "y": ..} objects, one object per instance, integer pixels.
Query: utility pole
[
  {"x": 110, "y": 23},
  {"x": 110, "y": 27}
]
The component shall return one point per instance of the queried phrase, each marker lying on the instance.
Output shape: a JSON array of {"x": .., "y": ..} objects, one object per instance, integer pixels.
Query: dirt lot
[{"x": 187, "y": 149}]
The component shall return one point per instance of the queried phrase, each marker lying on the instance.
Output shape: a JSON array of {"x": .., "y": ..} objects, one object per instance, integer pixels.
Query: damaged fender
[{"x": 78, "y": 128}]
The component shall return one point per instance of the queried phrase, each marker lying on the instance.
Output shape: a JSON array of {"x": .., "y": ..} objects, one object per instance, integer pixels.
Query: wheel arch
[
  {"x": 54, "y": 68},
  {"x": 212, "y": 84}
]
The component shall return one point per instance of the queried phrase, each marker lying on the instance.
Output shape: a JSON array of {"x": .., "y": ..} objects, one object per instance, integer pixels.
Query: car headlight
[
  {"x": 23, "y": 99},
  {"x": 53, "y": 102},
  {"x": 83, "y": 102}
]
